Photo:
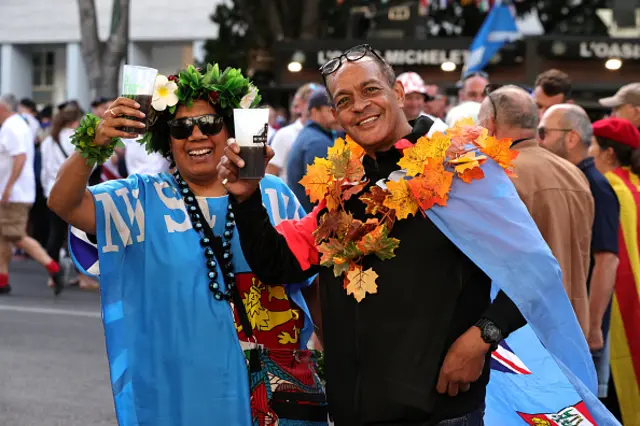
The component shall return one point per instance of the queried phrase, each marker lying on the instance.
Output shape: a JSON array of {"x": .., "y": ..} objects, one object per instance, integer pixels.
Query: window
[{"x": 43, "y": 75}]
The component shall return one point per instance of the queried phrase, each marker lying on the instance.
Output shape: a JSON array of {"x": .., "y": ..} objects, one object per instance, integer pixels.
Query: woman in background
[{"x": 615, "y": 148}]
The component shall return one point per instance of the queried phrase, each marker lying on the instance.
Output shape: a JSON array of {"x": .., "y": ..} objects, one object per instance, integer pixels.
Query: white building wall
[
  {"x": 15, "y": 70},
  {"x": 57, "y": 21}
]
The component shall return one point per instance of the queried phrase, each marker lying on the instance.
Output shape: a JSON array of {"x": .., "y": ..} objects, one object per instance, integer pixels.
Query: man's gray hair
[
  {"x": 9, "y": 101},
  {"x": 574, "y": 117},
  {"x": 515, "y": 108}
]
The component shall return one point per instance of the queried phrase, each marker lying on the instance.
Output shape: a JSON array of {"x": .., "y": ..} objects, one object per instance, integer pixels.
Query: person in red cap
[
  {"x": 415, "y": 96},
  {"x": 615, "y": 150}
]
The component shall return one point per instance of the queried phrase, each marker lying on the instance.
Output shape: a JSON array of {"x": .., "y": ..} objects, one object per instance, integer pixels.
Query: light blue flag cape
[
  {"x": 489, "y": 223},
  {"x": 173, "y": 350},
  {"x": 498, "y": 28}
]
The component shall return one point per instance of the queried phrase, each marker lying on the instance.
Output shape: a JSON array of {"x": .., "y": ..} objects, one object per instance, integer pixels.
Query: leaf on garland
[
  {"x": 334, "y": 197},
  {"x": 400, "y": 198},
  {"x": 356, "y": 150},
  {"x": 415, "y": 157},
  {"x": 465, "y": 132},
  {"x": 468, "y": 166},
  {"x": 470, "y": 174},
  {"x": 355, "y": 170},
  {"x": 333, "y": 224},
  {"x": 355, "y": 189},
  {"x": 500, "y": 151},
  {"x": 374, "y": 200},
  {"x": 379, "y": 243},
  {"x": 317, "y": 180},
  {"x": 359, "y": 283},
  {"x": 357, "y": 229},
  {"x": 432, "y": 186},
  {"x": 338, "y": 255},
  {"x": 339, "y": 156}
]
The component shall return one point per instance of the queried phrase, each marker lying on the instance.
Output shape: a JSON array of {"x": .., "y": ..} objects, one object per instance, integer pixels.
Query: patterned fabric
[
  {"x": 173, "y": 351},
  {"x": 625, "y": 311}
]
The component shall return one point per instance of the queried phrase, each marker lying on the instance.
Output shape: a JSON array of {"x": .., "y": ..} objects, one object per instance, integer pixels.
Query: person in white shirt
[
  {"x": 18, "y": 189},
  {"x": 139, "y": 161},
  {"x": 284, "y": 138},
  {"x": 56, "y": 148},
  {"x": 415, "y": 96}
]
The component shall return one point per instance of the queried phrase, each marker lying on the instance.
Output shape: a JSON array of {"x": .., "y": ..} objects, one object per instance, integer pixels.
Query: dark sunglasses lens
[
  {"x": 541, "y": 133},
  {"x": 356, "y": 53},
  {"x": 210, "y": 125},
  {"x": 181, "y": 129}
]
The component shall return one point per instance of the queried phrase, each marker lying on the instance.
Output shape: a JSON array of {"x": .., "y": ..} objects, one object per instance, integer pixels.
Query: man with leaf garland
[{"x": 408, "y": 321}]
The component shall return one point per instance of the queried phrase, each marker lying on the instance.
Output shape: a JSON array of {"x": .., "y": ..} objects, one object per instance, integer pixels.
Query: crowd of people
[{"x": 577, "y": 185}]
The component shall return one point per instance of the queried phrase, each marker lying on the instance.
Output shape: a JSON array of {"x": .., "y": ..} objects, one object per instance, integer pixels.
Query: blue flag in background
[{"x": 498, "y": 28}]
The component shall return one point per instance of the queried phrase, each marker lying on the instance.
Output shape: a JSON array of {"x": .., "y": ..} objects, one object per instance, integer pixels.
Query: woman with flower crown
[{"x": 193, "y": 337}]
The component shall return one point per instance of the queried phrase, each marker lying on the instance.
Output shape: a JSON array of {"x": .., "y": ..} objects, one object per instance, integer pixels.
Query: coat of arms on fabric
[
  {"x": 571, "y": 416},
  {"x": 286, "y": 391},
  {"x": 276, "y": 319}
]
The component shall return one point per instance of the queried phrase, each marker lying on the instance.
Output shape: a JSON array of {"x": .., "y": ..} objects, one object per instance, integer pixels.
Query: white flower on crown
[
  {"x": 248, "y": 99},
  {"x": 164, "y": 93}
]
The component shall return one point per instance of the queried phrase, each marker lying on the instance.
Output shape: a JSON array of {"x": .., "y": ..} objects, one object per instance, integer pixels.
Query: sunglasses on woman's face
[{"x": 209, "y": 125}]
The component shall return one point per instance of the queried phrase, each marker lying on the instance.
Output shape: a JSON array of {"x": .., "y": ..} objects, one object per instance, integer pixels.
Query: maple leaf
[
  {"x": 334, "y": 196},
  {"x": 374, "y": 200},
  {"x": 355, "y": 189},
  {"x": 357, "y": 229},
  {"x": 355, "y": 170},
  {"x": 414, "y": 158},
  {"x": 361, "y": 282},
  {"x": 338, "y": 255},
  {"x": 339, "y": 156},
  {"x": 468, "y": 166},
  {"x": 432, "y": 186},
  {"x": 470, "y": 174},
  {"x": 465, "y": 131},
  {"x": 400, "y": 199},
  {"x": 500, "y": 151},
  {"x": 379, "y": 243},
  {"x": 317, "y": 180},
  {"x": 333, "y": 224},
  {"x": 356, "y": 150}
]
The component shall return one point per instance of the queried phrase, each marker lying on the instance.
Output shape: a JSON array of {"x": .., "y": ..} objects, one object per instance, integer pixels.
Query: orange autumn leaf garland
[{"x": 429, "y": 168}]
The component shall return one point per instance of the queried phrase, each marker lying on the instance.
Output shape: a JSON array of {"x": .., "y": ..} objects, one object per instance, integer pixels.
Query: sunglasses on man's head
[
  {"x": 209, "y": 125},
  {"x": 354, "y": 54}
]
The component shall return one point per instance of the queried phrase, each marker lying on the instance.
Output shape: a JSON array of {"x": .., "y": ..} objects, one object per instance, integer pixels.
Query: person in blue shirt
[
  {"x": 313, "y": 141},
  {"x": 193, "y": 337}
]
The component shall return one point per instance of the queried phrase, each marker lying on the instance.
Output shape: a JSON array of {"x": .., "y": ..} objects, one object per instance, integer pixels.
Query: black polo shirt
[{"x": 606, "y": 219}]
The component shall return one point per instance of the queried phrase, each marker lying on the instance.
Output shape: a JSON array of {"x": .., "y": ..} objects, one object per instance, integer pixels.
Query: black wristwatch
[{"x": 490, "y": 333}]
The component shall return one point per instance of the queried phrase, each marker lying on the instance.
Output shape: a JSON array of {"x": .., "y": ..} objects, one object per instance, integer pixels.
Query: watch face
[{"x": 492, "y": 333}]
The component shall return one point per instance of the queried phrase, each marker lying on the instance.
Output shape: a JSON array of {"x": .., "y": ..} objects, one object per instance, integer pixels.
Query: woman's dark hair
[
  {"x": 62, "y": 119},
  {"x": 626, "y": 155},
  {"x": 159, "y": 128}
]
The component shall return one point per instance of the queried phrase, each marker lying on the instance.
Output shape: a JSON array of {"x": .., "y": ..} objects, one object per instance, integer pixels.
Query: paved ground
[{"x": 53, "y": 367}]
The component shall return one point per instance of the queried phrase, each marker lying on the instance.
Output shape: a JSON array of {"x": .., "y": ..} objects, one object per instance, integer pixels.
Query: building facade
[{"x": 40, "y": 55}]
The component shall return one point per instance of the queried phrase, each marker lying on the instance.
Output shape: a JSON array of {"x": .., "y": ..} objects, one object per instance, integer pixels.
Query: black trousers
[{"x": 57, "y": 236}]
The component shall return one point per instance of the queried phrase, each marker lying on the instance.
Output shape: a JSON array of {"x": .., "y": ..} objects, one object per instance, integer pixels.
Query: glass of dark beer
[
  {"x": 251, "y": 127},
  {"x": 138, "y": 84}
]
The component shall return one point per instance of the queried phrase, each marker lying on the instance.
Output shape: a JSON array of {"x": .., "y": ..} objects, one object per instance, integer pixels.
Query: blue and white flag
[{"x": 497, "y": 29}]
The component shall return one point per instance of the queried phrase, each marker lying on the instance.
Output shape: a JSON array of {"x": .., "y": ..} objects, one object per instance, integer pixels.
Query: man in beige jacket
[{"x": 556, "y": 192}]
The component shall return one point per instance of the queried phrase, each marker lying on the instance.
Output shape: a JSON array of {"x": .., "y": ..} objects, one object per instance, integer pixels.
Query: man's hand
[
  {"x": 595, "y": 338},
  {"x": 464, "y": 363},
  {"x": 6, "y": 195},
  {"x": 229, "y": 169}
]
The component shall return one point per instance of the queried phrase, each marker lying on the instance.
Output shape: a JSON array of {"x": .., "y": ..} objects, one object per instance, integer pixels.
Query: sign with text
[
  {"x": 621, "y": 49},
  {"x": 401, "y": 57}
]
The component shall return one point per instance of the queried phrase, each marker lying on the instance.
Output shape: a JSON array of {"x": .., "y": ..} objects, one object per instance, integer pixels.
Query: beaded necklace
[{"x": 197, "y": 218}]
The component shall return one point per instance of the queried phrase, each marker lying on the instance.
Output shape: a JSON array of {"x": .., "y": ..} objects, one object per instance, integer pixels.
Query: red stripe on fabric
[
  {"x": 509, "y": 363},
  {"x": 299, "y": 236},
  {"x": 108, "y": 175},
  {"x": 626, "y": 289}
]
